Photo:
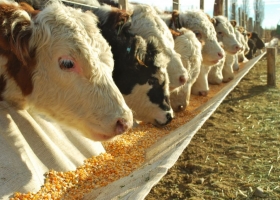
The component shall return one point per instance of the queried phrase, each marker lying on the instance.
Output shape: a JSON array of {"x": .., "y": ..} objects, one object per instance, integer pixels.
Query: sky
[{"x": 271, "y": 12}]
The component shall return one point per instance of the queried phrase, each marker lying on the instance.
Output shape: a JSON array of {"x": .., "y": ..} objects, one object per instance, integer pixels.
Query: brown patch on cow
[
  {"x": 14, "y": 45},
  {"x": 175, "y": 33},
  {"x": 249, "y": 34},
  {"x": 212, "y": 20},
  {"x": 233, "y": 23},
  {"x": 117, "y": 18},
  {"x": 2, "y": 86}
]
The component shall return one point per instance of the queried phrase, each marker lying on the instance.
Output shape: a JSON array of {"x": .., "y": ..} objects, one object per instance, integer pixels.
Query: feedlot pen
[{"x": 163, "y": 154}]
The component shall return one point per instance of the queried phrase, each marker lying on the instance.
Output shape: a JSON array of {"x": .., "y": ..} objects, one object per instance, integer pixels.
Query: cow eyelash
[
  {"x": 220, "y": 33},
  {"x": 66, "y": 64}
]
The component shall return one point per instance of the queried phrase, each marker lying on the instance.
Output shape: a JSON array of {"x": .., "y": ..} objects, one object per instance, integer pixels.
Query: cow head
[
  {"x": 226, "y": 35},
  {"x": 55, "y": 63},
  {"x": 199, "y": 23}
]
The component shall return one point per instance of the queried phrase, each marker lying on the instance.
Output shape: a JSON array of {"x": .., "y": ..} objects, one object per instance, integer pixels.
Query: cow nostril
[
  {"x": 121, "y": 126},
  {"x": 183, "y": 79},
  {"x": 238, "y": 48},
  {"x": 203, "y": 93},
  {"x": 220, "y": 55},
  {"x": 169, "y": 118}
]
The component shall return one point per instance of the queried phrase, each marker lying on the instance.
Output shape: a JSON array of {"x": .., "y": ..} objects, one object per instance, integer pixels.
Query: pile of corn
[{"x": 123, "y": 155}]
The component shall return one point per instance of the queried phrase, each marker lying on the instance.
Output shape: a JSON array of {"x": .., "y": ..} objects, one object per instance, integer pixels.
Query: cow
[
  {"x": 245, "y": 48},
  {"x": 146, "y": 23},
  {"x": 56, "y": 62},
  {"x": 227, "y": 38},
  {"x": 188, "y": 46},
  {"x": 140, "y": 67},
  {"x": 254, "y": 44},
  {"x": 199, "y": 23}
]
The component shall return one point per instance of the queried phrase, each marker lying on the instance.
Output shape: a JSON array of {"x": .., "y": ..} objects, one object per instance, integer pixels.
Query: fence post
[
  {"x": 239, "y": 17},
  {"x": 271, "y": 65},
  {"x": 218, "y": 8},
  {"x": 123, "y": 4},
  {"x": 250, "y": 24},
  {"x": 226, "y": 8},
  {"x": 176, "y": 5},
  {"x": 202, "y": 4},
  {"x": 233, "y": 12}
]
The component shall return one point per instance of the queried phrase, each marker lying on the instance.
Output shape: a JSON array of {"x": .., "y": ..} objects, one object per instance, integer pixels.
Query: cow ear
[
  {"x": 249, "y": 34},
  {"x": 19, "y": 41},
  {"x": 214, "y": 21},
  {"x": 233, "y": 23}
]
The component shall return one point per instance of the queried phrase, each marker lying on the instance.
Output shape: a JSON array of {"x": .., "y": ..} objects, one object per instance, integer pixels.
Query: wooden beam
[
  {"x": 250, "y": 24},
  {"x": 233, "y": 13},
  {"x": 123, "y": 4},
  {"x": 239, "y": 17},
  {"x": 226, "y": 8},
  {"x": 218, "y": 7},
  {"x": 176, "y": 4},
  {"x": 201, "y": 4}
]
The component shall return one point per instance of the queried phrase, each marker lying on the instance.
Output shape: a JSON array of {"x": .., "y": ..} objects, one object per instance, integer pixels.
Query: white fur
[
  {"x": 188, "y": 46},
  {"x": 88, "y": 101},
  {"x": 200, "y": 86},
  {"x": 215, "y": 75},
  {"x": 145, "y": 22}
]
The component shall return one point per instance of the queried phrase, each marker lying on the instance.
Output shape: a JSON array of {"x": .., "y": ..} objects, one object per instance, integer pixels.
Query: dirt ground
[{"x": 236, "y": 154}]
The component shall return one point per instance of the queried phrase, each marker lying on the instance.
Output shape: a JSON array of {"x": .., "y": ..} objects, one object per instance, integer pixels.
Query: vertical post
[
  {"x": 226, "y": 8},
  {"x": 233, "y": 12},
  {"x": 201, "y": 4},
  {"x": 246, "y": 21},
  {"x": 123, "y": 4},
  {"x": 243, "y": 18},
  {"x": 176, "y": 5},
  {"x": 239, "y": 17},
  {"x": 250, "y": 24},
  {"x": 218, "y": 7},
  {"x": 271, "y": 62}
]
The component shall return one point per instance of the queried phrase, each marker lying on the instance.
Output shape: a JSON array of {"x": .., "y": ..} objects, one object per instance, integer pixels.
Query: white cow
[
  {"x": 58, "y": 63},
  {"x": 188, "y": 46},
  {"x": 201, "y": 25},
  {"x": 227, "y": 38}
]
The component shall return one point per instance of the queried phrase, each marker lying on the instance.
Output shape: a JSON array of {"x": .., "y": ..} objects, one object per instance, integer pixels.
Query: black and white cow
[
  {"x": 254, "y": 44},
  {"x": 140, "y": 68}
]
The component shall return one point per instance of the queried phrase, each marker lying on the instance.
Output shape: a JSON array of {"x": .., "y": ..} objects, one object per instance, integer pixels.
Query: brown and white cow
[
  {"x": 56, "y": 62},
  {"x": 140, "y": 67}
]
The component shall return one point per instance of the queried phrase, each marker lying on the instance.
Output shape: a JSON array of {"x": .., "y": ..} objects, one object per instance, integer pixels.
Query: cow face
[
  {"x": 199, "y": 23},
  {"x": 55, "y": 63},
  {"x": 226, "y": 35},
  {"x": 142, "y": 78},
  {"x": 188, "y": 46}
]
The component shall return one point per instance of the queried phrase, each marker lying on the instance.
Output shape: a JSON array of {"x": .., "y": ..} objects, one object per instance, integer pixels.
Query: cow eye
[
  {"x": 66, "y": 64},
  {"x": 198, "y": 34},
  {"x": 220, "y": 33},
  {"x": 152, "y": 81}
]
